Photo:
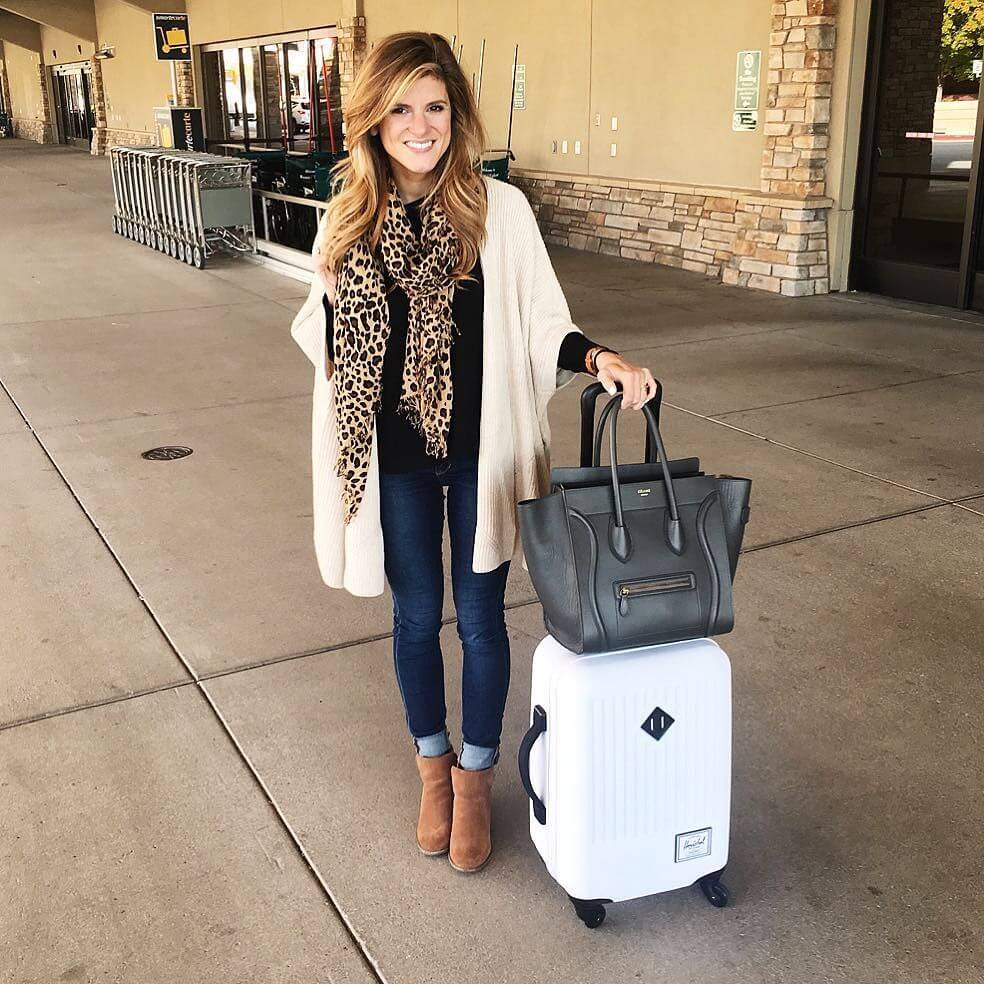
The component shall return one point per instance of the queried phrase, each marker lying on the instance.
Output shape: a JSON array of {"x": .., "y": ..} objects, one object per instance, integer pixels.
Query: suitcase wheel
[
  {"x": 591, "y": 913},
  {"x": 713, "y": 890}
]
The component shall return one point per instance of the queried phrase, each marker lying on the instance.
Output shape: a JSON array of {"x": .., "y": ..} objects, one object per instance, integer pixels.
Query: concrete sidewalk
[{"x": 204, "y": 773}]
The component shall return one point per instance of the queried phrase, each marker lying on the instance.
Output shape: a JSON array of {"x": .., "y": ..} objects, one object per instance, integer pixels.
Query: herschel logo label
[
  {"x": 657, "y": 724},
  {"x": 695, "y": 844}
]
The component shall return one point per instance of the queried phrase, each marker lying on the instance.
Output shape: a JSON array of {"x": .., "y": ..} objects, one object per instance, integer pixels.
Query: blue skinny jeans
[{"x": 412, "y": 516}]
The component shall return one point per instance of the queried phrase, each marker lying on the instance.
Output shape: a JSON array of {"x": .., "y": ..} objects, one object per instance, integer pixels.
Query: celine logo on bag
[
  {"x": 657, "y": 724},
  {"x": 695, "y": 844}
]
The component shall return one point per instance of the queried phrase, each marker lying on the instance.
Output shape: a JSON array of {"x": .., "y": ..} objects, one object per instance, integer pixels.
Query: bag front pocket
[{"x": 643, "y": 603}]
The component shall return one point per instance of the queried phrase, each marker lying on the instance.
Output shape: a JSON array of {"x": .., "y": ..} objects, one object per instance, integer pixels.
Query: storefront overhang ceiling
[
  {"x": 20, "y": 31},
  {"x": 76, "y": 17}
]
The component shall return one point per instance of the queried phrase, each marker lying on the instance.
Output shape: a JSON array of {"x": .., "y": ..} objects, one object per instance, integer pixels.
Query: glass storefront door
[
  {"x": 73, "y": 104},
  {"x": 916, "y": 224},
  {"x": 272, "y": 93}
]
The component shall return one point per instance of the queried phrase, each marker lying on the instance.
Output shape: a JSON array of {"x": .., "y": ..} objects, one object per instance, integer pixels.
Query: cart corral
[{"x": 188, "y": 205}]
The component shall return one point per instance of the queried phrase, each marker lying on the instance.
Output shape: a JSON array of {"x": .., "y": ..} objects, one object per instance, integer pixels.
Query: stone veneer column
[
  {"x": 801, "y": 72},
  {"x": 351, "y": 51},
  {"x": 45, "y": 127},
  {"x": 99, "y": 143},
  {"x": 184, "y": 83},
  {"x": 774, "y": 240}
]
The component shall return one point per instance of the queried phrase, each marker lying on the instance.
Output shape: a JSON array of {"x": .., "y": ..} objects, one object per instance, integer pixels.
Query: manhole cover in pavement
[{"x": 166, "y": 454}]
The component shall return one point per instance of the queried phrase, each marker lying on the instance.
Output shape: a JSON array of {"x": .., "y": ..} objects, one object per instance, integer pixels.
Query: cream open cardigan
[{"x": 525, "y": 320}]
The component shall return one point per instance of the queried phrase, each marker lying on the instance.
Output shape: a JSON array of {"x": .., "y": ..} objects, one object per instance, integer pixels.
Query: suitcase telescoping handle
[
  {"x": 537, "y": 728},
  {"x": 589, "y": 398}
]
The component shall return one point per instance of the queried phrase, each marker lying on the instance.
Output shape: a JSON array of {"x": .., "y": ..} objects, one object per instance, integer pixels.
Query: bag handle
[
  {"x": 537, "y": 728},
  {"x": 590, "y": 439},
  {"x": 620, "y": 535}
]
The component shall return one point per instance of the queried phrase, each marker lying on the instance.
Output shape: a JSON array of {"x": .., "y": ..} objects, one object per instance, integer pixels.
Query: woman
[{"x": 439, "y": 333}]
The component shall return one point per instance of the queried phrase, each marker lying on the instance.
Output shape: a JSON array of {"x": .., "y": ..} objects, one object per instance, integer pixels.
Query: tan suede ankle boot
[
  {"x": 434, "y": 821},
  {"x": 471, "y": 834}
]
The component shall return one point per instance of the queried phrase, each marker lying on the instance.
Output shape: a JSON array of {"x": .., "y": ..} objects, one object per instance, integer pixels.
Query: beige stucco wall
[
  {"x": 135, "y": 82},
  {"x": 668, "y": 73},
  {"x": 582, "y": 57},
  {"x": 60, "y": 47},
  {"x": 22, "y": 79},
  {"x": 226, "y": 20},
  {"x": 587, "y": 57}
]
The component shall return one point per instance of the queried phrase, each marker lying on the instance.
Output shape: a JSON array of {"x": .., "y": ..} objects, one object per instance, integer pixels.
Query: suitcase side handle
[{"x": 537, "y": 728}]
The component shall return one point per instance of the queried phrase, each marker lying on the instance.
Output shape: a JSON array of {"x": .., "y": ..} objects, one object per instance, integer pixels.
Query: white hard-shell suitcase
[{"x": 627, "y": 764}]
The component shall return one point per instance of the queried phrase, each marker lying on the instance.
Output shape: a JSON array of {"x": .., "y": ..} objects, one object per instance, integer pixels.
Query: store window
[{"x": 278, "y": 92}]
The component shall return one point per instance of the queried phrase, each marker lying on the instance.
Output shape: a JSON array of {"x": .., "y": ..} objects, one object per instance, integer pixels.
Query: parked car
[{"x": 300, "y": 111}]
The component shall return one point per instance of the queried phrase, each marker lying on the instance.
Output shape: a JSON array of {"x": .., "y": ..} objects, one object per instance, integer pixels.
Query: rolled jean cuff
[
  {"x": 433, "y": 746},
  {"x": 476, "y": 758}
]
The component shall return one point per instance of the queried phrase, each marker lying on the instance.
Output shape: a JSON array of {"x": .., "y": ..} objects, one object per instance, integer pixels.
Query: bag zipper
[{"x": 657, "y": 585}]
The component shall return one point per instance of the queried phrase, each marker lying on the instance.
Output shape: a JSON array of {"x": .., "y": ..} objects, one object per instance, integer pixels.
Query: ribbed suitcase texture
[{"x": 634, "y": 767}]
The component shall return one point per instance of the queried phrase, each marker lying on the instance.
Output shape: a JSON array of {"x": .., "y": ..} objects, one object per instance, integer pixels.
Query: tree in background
[{"x": 961, "y": 42}]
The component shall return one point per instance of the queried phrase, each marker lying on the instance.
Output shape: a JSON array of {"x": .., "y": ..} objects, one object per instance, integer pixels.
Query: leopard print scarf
[{"x": 423, "y": 269}]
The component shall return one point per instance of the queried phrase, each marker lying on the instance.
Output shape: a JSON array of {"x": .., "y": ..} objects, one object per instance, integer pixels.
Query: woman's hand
[{"x": 638, "y": 385}]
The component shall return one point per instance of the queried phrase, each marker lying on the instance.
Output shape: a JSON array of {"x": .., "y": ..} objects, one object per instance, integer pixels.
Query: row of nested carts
[
  {"x": 188, "y": 205},
  {"x": 191, "y": 205}
]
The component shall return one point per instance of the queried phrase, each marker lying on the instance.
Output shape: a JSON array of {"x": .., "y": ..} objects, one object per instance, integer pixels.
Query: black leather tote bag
[
  {"x": 735, "y": 492},
  {"x": 626, "y": 562}
]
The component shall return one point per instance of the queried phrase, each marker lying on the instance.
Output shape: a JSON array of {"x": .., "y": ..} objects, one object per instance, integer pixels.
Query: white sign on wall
[
  {"x": 747, "y": 80},
  {"x": 519, "y": 89}
]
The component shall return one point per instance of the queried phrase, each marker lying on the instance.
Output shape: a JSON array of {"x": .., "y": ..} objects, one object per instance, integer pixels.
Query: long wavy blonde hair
[{"x": 358, "y": 207}]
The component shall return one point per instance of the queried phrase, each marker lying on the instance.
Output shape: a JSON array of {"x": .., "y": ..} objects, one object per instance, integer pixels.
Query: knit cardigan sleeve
[{"x": 549, "y": 317}]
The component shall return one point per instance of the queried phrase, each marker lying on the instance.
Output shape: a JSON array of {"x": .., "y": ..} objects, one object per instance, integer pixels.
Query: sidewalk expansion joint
[
  {"x": 137, "y": 314},
  {"x": 361, "y": 946},
  {"x": 305, "y": 395},
  {"x": 259, "y": 664},
  {"x": 811, "y": 454},
  {"x": 813, "y": 534},
  {"x": 834, "y": 396},
  {"x": 978, "y": 500},
  {"x": 91, "y": 705},
  {"x": 730, "y": 337}
]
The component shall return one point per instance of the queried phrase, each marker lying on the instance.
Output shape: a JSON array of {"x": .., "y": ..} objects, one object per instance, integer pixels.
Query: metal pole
[
  {"x": 481, "y": 68},
  {"x": 174, "y": 84},
  {"x": 512, "y": 98}
]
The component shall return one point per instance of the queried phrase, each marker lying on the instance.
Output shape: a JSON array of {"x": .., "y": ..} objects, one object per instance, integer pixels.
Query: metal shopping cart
[{"x": 188, "y": 205}]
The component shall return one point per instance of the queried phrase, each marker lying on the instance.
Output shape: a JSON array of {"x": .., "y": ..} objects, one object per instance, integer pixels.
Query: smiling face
[{"x": 417, "y": 130}]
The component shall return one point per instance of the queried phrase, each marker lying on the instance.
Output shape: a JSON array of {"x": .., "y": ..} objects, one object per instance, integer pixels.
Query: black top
[{"x": 401, "y": 447}]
